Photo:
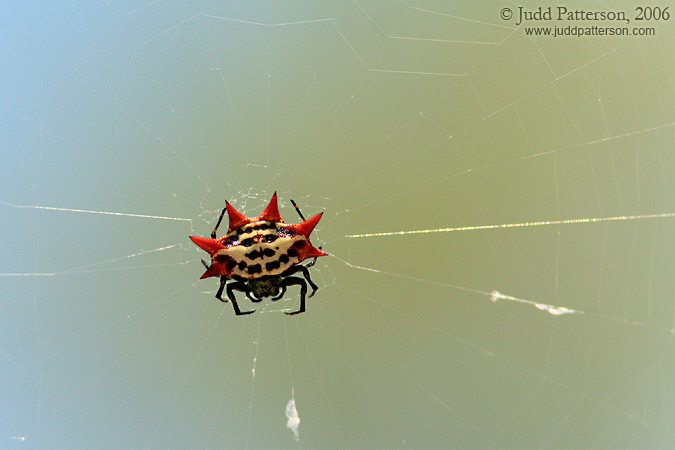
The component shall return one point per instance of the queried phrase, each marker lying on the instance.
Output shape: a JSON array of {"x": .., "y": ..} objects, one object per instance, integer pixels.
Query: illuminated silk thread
[
  {"x": 515, "y": 225},
  {"x": 109, "y": 213}
]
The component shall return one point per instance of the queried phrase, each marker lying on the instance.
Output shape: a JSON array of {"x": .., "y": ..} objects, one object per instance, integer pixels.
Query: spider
[{"x": 260, "y": 255}]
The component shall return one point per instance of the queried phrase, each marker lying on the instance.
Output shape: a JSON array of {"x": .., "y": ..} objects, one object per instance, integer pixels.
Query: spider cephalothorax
[{"x": 260, "y": 254}]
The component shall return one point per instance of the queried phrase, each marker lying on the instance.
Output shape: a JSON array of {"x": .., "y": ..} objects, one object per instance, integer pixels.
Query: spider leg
[
  {"x": 237, "y": 286},
  {"x": 220, "y": 219},
  {"x": 305, "y": 273},
  {"x": 283, "y": 292},
  {"x": 298, "y": 210},
  {"x": 223, "y": 280},
  {"x": 288, "y": 281},
  {"x": 207, "y": 265},
  {"x": 251, "y": 297}
]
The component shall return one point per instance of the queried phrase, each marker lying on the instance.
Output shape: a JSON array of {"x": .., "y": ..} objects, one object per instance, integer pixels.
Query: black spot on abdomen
[
  {"x": 293, "y": 251},
  {"x": 255, "y": 268},
  {"x": 260, "y": 253},
  {"x": 265, "y": 226},
  {"x": 254, "y": 254},
  {"x": 272, "y": 265}
]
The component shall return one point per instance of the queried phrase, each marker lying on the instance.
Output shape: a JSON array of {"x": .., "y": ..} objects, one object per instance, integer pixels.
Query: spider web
[{"x": 498, "y": 215}]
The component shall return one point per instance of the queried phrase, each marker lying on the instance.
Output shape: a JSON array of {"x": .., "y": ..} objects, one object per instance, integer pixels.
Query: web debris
[{"x": 293, "y": 419}]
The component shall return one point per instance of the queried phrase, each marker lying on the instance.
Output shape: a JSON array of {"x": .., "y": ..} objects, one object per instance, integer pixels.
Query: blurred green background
[{"x": 387, "y": 116}]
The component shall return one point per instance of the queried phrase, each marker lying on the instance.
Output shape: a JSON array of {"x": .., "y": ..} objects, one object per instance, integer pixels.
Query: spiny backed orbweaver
[{"x": 260, "y": 254}]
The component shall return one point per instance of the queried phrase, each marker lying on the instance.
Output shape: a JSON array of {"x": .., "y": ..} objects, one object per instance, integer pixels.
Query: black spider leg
[
  {"x": 220, "y": 219},
  {"x": 283, "y": 292},
  {"x": 223, "y": 280},
  {"x": 236, "y": 286},
  {"x": 253, "y": 298},
  {"x": 298, "y": 210},
  {"x": 219, "y": 294},
  {"x": 300, "y": 268},
  {"x": 288, "y": 281}
]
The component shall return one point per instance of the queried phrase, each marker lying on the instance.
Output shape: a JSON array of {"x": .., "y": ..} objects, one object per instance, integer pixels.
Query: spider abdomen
[
  {"x": 259, "y": 249},
  {"x": 260, "y": 246}
]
